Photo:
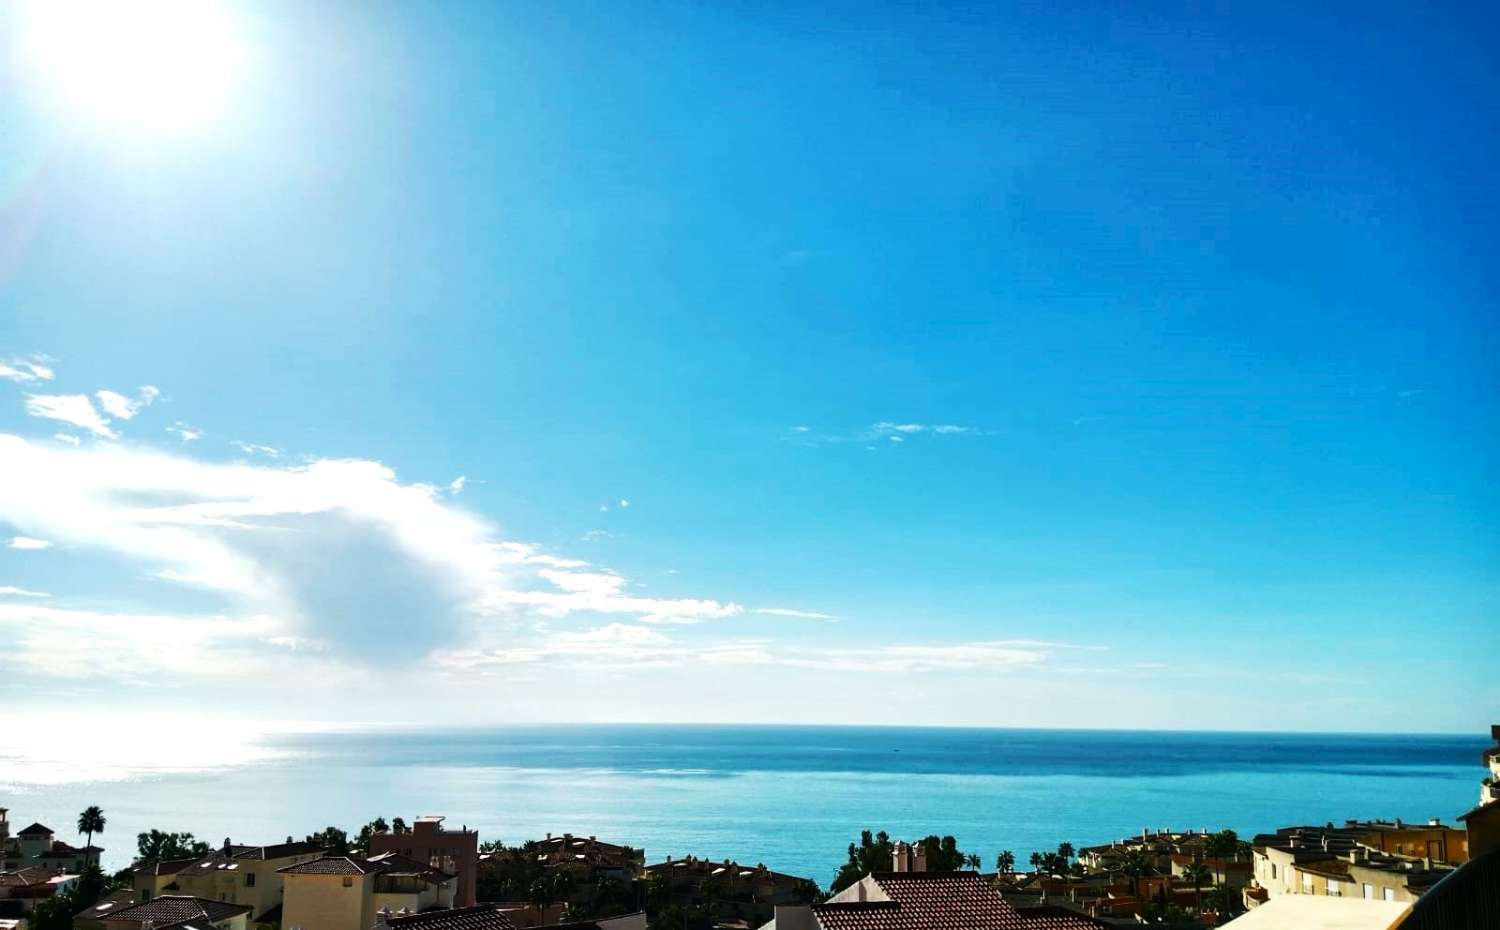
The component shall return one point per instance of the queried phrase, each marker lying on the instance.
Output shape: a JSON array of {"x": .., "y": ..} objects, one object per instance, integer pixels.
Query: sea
[{"x": 792, "y": 798}]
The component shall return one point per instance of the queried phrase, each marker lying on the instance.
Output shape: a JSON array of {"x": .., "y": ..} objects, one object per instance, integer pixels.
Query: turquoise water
[{"x": 791, "y": 797}]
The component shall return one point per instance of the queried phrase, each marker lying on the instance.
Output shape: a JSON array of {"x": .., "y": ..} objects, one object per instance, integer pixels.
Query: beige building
[
  {"x": 155, "y": 878},
  {"x": 346, "y": 892},
  {"x": 238, "y": 874}
]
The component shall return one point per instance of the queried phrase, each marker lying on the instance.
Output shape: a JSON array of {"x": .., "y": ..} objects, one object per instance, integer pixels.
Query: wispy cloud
[
  {"x": 456, "y": 486},
  {"x": 68, "y": 438},
  {"x": 627, "y": 645},
  {"x": 184, "y": 432},
  {"x": 884, "y": 432},
  {"x": 28, "y": 542},
  {"x": 26, "y": 371},
  {"x": 10, "y": 590},
  {"x": 250, "y": 448},
  {"x": 798, "y": 614},
  {"x": 124, "y": 408},
  {"x": 73, "y": 409}
]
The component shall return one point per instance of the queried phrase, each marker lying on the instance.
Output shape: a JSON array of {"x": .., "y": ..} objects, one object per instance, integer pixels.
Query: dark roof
[
  {"x": 1486, "y": 806},
  {"x": 383, "y": 864},
  {"x": 114, "y": 901},
  {"x": 175, "y": 909},
  {"x": 23, "y": 878},
  {"x": 35, "y": 830},
  {"x": 280, "y": 850},
  {"x": 942, "y": 901},
  {"x": 164, "y": 866},
  {"x": 272, "y": 915},
  {"x": 331, "y": 865},
  {"x": 588, "y": 924},
  {"x": 479, "y": 917}
]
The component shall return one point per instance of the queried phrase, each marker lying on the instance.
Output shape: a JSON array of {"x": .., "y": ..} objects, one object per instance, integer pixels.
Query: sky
[{"x": 1083, "y": 364}]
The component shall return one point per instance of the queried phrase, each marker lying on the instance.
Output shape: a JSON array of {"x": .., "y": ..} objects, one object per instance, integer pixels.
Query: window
[
  {"x": 249, "y": 879},
  {"x": 1369, "y": 890},
  {"x": 1388, "y": 894},
  {"x": 1273, "y": 870},
  {"x": 1307, "y": 887},
  {"x": 348, "y": 881},
  {"x": 1335, "y": 890}
]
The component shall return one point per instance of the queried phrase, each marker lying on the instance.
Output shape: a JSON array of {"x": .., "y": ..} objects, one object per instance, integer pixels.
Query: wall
[{"x": 321, "y": 902}]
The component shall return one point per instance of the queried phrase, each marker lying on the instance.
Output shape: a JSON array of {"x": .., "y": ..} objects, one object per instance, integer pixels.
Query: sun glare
[{"x": 156, "y": 65}]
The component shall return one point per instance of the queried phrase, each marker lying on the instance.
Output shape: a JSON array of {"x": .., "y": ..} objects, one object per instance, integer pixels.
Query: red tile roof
[{"x": 942, "y": 901}]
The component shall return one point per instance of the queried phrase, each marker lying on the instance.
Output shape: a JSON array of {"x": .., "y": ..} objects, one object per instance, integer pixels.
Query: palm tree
[
  {"x": 1197, "y": 875},
  {"x": 973, "y": 861},
  {"x": 1066, "y": 851},
  {"x": 91, "y": 821},
  {"x": 1005, "y": 862},
  {"x": 1036, "y": 862}
]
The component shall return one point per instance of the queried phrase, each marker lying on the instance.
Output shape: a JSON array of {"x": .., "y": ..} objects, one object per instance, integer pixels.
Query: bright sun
[{"x": 157, "y": 65}]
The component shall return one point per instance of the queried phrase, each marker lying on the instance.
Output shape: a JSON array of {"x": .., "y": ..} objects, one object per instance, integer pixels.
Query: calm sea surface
[{"x": 791, "y": 797}]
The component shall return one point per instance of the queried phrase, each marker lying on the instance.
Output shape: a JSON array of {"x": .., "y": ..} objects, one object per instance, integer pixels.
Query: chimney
[
  {"x": 288, "y": 837},
  {"x": 1434, "y": 822},
  {"x": 1399, "y": 824}
]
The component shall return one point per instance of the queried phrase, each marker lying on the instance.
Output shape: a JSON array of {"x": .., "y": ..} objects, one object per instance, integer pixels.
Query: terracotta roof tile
[{"x": 942, "y": 901}]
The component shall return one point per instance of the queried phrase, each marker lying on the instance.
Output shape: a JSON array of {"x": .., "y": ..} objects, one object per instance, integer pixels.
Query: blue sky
[{"x": 1092, "y": 365}]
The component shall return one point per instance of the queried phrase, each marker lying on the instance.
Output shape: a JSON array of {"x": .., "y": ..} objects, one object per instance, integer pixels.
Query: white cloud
[
  {"x": 799, "y": 614},
  {"x": 344, "y": 555},
  {"x": 250, "y": 448},
  {"x": 123, "y": 408},
  {"x": 456, "y": 486},
  {"x": 74, "y": 409},
  {"x": 28, "y": 542},
  {"x": 10, "y": 590},
  {"x": 26, "y": 371},
  {"x": 624, "y": 503},
  {"x": 68, "y": 438},
  {"x": 889, "y": 430},
  {"x": 184, "y": 432}
]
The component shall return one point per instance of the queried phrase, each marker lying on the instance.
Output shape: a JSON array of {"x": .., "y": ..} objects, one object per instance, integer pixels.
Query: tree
[
  {"x": 1197, "y": 875},
  {"x": 1005, "y": 863},
  {"x": 332, "y": 838},
  {"x": 973, "y": 861},
  {"x": 1223, "y": 845},
  {"x": 398, "y": 826},
  {"x": 156, "y": 845},
  {"x": 90, "y": 888},
  {"x": 91, "y": 821},
  {"x": 1137, "y": 864},
  {"x": 873, "y": 854},
  {"x": 1036, "y": 862},
  {"x": 1066, "y": 851}
]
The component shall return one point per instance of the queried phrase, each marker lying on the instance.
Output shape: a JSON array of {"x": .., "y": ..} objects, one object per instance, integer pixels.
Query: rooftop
[
  {"x": 175, "y": 909},
  {"x": 941, "y": 901},
  {"x": 480, "y": 917}
]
